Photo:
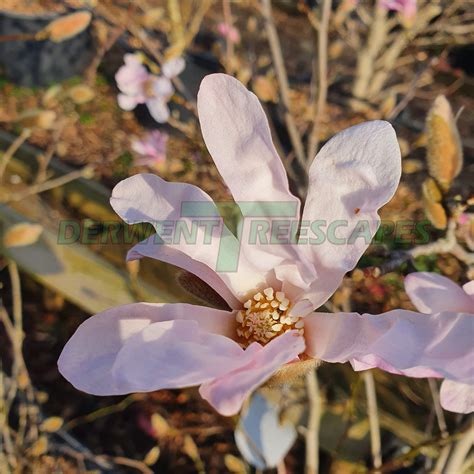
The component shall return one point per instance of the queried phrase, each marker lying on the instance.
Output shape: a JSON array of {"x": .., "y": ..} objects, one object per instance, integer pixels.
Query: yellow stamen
[{"x": 265, "y": 316}]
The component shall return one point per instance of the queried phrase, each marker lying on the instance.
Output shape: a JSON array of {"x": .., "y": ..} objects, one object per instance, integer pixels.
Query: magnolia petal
[
  {"x": 261, "y": 436},
  {"x": 151, "y": 248},
  {"x": 398, "y": 341},
  {"x": 354, "y": 174},
  {"x": 433, "y": 293},
  {"x": 127, "y": 102},
  {"x": 130, "y": 78},
  {"x": 148, "y": 198},
  {"x": 173, "y": 67},
  {"x": 237, "y": 135},
  {"x": 162, "y": 88},
  {"x": 158, "y": 109},
  {"x": 173, "y": 354},
  {"x": 88, "y": 357},
  {"x": 469, "y": 288},
  {"x": 227, "y": 393},
  {"x": 457, "y": 397}
]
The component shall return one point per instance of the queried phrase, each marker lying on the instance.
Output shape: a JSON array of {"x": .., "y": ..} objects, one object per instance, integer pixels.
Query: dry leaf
[
  {"x": 160, "y": 425},
  {"x": 359, "y": 430},
  {"x": 36, "y": 118},
  {"x": 152, "y": 456},
  {"x": 190, "y": 448},
  {"x": 81, "y": 94},
  {"x": 40, "y": 446},
  {"x": 410, "y": 166},
  {"x": 444, "y": 149},
  {"x": 66, "y": 27},
  {"x": 234, "y": 464},
  {"x": 436, "y": 214},
  {"x": 430, "y": 190},
  {"x": 52, "y": 424},
  {"x": 21, "y": 235}
]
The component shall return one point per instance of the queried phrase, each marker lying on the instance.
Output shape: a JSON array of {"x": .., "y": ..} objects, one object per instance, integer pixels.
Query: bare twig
[
  {"x": 85, "y": 172},
  {"x": 312, "y": 432},
  {"x": 282, "y": 78},
  {"x": 229, "y": 44},
  {"x": 375, "y": 443},
  {"x": 12, "y": 149},
  {"x": 323, "y": 79},
  {"x": 460, "y": 452}
]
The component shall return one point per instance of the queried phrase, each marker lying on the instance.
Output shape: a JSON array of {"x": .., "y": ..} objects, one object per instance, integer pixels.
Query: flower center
[{"x": 265, "y": 316}]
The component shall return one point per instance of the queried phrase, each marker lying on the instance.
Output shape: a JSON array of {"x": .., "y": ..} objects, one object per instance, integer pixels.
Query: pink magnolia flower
[
  {"x": 152, "y": 148},
  {"x": 138, "y": 86},
  {"x": 229, "y": 32},
  {"x": 270, "y": 325},
  {"x": 407, "y": 9},
  {"x": 432, "y": 293}
]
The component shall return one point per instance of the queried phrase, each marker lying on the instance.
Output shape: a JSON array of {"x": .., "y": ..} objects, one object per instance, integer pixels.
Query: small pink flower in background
[
  {"x": 406, "y": 8},
  {"x": 433, "y": 293},
  {"x": 228, "y": 32},
  {"x": 275, "y": 290},
  {"x": 152, "y": 148},
  {"x": 138, "y": 86}
]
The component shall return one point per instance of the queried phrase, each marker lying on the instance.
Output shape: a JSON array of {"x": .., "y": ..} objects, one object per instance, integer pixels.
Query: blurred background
[{"x": 69, "y": 133}]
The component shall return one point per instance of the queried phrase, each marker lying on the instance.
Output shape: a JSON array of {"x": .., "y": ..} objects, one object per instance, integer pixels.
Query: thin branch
[
  {"x": 282, "y": 78},
  {"x": 375, "y": 443},
  {"x": 12, "y": 149},
  {"x": 312, "y": 431},
  {"x": 85, "y": 172},
  {"x": 323, "y": 79},
  {"x": 229, "y": 44},
  {"x": 460, "y": 452}
]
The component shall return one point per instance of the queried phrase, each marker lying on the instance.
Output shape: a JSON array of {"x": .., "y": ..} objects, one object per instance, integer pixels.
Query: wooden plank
[{"x": 83, "y": 277}]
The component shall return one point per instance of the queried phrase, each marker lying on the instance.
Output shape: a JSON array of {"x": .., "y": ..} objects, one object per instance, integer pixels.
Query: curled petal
[
  {"x": 227, "y": 393},
  {"x": 89, "y": 356},
  {"x": 180, "y": 208},
  {"x": 151, "y": 248},
  {"x": 433, "y": 293},
  {"x": 354, "y": 174},
  {"x": 457, "y": 397},
  {"x": 402, "y": 342}
]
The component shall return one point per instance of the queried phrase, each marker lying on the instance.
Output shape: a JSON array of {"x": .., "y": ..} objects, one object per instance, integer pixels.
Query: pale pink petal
[
  {"x": 354, "y": 174},
  {"x": 372, "y": 362},
  {"x": 457, "y": 397},
  {"x": 237, "y": 135},
  {"x": 158, "y": 110},
  {"x": 88, "y": 357},
  {"x": 433, "y": 293},
  {"x": 469, "y": 288},
  {"x": 127, "y": 102},
  {"x": 131, "y": 77},
  {"x": 173, "y": 67},
  {"x": 162, "y": 88},
  {"x": 148, "y": 198},
  {"x": 173, "y": 354},
  {"x": 227, "y": 393},
  {"x": 169, "y": 254},
  {"x": 398, "y": 341}
]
